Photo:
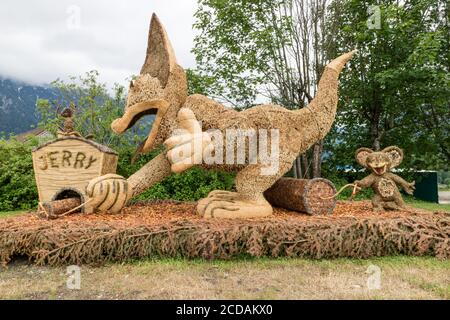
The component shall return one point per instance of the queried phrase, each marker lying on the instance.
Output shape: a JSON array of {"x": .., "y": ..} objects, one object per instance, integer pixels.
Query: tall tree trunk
[
  {"x": 295, "y": 170},
  {"x": 305, "y": 166},
  {"x": 375, "y": 132},
  {"x": 317, "y": 159},
  {"x": 376, "y": 144},
  {"x": 299, "y": 166}
]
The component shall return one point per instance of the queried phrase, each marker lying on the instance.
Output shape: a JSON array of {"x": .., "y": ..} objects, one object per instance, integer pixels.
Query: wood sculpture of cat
[{"x": 161, "y": 90}]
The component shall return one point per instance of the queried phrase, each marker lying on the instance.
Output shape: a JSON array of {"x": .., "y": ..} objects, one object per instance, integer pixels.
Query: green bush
[
  {"x": 17, "y": 185},
  {"x": 191, "y": 185},
  {"x": 125, "y": 167}
]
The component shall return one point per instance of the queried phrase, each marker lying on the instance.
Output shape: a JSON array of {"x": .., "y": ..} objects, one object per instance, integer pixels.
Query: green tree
[
  {"x": 95, "y": 109},
  {"x": 198, "y": 83},
  {"x": 398, "y": 87},
  {"x": 263, "y": 50}
]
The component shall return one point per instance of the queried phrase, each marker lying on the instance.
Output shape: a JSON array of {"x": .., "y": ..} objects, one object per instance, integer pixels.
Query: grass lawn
[
  {"x": 400, "y": 278},
  {"x": 426, "y": 205},
  {"x": 5, "y": 214}
]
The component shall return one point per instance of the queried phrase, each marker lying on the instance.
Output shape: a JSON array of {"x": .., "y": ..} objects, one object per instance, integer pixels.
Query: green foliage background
[
  {"x": 397, "y": 87},
  {"x": 17, "y": 184}
]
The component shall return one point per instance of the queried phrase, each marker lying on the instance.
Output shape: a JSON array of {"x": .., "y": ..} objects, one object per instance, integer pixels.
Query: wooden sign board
[{"x": 64, "y": 167}]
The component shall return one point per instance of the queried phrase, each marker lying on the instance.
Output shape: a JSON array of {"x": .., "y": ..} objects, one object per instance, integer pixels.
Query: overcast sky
[{"x": 46, "y": 39}]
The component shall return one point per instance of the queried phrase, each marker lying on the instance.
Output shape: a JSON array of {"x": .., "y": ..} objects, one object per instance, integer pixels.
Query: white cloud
[{"x": 41, "y": 40}]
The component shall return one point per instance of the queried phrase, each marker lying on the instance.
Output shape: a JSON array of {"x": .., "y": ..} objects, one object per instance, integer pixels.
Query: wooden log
[
  {"x": 58, "y": 207},
  {"x": 303, "y": 195}
]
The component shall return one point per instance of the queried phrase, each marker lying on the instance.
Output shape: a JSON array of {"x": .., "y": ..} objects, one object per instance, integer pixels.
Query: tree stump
[{"x": 303, "y": 195}]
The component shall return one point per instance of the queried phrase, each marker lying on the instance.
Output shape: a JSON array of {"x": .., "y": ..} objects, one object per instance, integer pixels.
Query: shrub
[
  {"x": 125, "y": 167},
  {"x": 190, "y": 185},
  {"x": 17, "y": 184}
]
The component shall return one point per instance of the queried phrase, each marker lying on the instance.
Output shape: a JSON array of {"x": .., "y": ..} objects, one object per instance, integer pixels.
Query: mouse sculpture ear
[
  {"x": 361, "y": 155},
  {"x": 160, "y": 58},
  {"x": 395, "y": 154}
]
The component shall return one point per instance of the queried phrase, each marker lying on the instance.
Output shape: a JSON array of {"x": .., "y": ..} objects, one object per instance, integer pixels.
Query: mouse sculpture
[
  {"x": 381, "y": 180},
  {"x": 191, "y": 127}
]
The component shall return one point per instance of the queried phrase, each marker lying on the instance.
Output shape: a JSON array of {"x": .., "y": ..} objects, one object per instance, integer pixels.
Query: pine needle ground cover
[{"x": 172, "y": 229}]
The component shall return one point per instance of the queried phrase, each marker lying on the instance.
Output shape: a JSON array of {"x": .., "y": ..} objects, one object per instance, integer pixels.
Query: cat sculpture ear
[
  {"x": 361, "y": 156},
  {"x": 159, "y": 63},
  {"x": 160, "y": 58},
  {"x": 395, "y": 154}
]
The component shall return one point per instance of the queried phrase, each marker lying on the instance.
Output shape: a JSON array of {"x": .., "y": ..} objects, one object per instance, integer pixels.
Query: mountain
[{"x": 18, "y": 105}]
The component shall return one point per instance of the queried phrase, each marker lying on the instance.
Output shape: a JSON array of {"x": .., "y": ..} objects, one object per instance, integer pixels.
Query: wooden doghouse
[{"x": 64, "y": 167}]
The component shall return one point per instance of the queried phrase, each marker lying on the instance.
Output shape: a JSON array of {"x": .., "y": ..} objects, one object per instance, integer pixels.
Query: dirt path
[{"x": 401, "y": 278}]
